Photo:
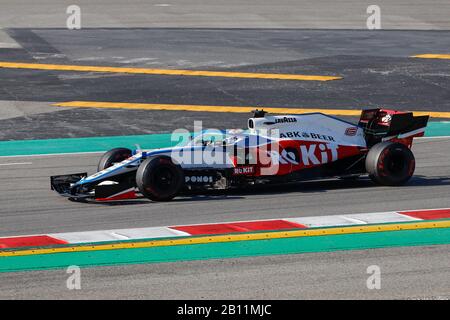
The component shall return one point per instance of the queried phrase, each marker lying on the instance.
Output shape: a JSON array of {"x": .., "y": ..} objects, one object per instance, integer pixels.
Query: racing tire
[
  {"x": 390, "y": 164},
  {"x": 113, "y": 156},
  {"x": 159, "y": 178}
]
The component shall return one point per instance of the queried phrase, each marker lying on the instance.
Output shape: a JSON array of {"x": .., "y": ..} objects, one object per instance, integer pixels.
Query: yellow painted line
[
  {"x": 432, "y": 56},
  {"x": 227, "y": 109},
  {"x": 250, "y": 75},
  {"x": 234, "y": 238}
]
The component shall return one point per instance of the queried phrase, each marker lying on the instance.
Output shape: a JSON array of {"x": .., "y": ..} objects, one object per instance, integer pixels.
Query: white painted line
[
  {"x": 15, "y": 163},
  {"x": 381, "y": 217},
  {"x": 352, "y": 219},
  {"x": 322, "y": 221},
  {"x": 438, "y": 137},
  {"x": 54, "y": 154},
  {"x": 118, "y": 234}
]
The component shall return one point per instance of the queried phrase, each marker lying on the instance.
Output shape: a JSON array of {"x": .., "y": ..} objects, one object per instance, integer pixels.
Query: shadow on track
[{"x": 315, "y": 186}]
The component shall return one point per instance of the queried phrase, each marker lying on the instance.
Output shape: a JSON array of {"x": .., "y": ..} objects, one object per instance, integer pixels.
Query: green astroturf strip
[
  {"x": 228, "y": 249},
  {"x": 438, "y": 129},
  {"x": 74, "y": 145},
  {"x": 151, "y": 141}
]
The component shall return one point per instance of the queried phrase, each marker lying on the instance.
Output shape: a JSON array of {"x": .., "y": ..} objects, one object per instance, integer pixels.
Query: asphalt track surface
[
  {"x": 406, "y": 273},
  {"x": 29, "y": 207},
  {"x": 377, "y": 70}
]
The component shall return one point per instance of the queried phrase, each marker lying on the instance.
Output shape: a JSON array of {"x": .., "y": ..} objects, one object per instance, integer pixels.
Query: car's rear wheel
[
  {"x": 159, "y": 178},
  {"x": 113, "y": 156},
  {"x": 390, "y": 164}
]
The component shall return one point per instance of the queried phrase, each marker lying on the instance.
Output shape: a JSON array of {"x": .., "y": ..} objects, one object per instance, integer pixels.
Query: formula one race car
[{"x": 274, "y": 149}]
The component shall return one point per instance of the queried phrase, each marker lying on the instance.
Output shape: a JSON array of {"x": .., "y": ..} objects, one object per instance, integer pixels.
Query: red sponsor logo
[
  {"x": 351, "y": 131},
  {"x": 243, "y": 170}
]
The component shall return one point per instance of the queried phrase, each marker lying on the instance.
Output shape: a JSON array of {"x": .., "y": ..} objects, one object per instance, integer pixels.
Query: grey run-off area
[
  {"x": 406, "y": 273},
  {"x": 317, "y": 14}
]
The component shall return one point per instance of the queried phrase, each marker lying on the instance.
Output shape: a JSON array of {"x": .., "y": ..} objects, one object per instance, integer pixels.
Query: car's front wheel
[
  {"x": 113, "y": 156},
  {"x": 390, "y": 164},
  {"x": 159, "y": 178}
]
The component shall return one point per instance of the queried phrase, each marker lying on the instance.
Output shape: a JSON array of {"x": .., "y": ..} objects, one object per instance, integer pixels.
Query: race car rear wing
[{"x": 381, "y": 123}]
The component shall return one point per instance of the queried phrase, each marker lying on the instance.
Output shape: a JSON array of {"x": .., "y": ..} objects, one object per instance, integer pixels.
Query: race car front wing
[{"x": 63, "y": 183}]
